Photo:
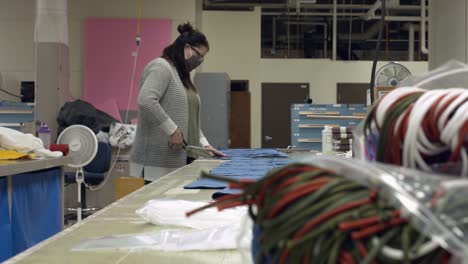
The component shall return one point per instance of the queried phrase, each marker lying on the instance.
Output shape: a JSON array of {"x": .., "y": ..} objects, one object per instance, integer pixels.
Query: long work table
[
  {"x": 31, "y": 203},
  {"x": 14, "y": 167},
  {"x": 119, "y": 218}
]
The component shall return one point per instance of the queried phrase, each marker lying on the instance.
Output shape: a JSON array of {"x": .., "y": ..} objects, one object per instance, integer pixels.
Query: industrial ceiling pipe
[
  {"x": 359, "y": 15},
  {"x": 424, "y": 49},
  {"x": 311, "y": 14},
  {"x": 307, "y": 5},
  {"x": 371, "y": 32},
  {"x": 371, "y": 13},
  {"x": 335, "y": 25}
]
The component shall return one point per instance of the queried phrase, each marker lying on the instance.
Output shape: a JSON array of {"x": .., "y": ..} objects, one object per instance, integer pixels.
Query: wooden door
[
  {"x": 277, "y": 99},
  {"x": 239, "y": 122}
]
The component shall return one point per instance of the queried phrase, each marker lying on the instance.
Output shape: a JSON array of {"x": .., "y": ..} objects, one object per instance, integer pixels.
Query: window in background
[{"x": 305, "y": 30}]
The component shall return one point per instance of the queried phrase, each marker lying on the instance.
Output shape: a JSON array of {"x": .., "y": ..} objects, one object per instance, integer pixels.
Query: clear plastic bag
[
  {"x": 169, "y": 240},
  {"x": 435, "y": 204},
  {"x": 359, "y": 143},
  {"x": 172, "y": 212},
  {"x": 215, "y": 230},
  {"x": 450, "y": 75}
]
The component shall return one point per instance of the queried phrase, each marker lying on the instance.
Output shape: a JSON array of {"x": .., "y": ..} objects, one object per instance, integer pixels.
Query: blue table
[{"x": 31, "y": 203}]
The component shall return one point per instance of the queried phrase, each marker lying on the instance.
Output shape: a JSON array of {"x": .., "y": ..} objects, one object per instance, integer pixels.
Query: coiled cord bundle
[
  {"x": 416, "y": 128},
  {"x": 305, "y": 214}
]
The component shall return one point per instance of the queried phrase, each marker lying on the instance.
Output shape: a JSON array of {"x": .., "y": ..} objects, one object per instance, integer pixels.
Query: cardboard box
[
  {"x": 124, "y": 184},
  {"x": 127, "y": 185}
]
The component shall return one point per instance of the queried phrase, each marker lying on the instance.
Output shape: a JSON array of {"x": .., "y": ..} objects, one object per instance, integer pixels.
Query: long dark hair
[{"x": 174, "y": 53}]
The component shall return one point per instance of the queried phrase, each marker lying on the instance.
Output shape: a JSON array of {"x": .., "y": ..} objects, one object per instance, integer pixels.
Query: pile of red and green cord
[
  {"x": 421, "y": 129},
  {"x": 307, "y": 214}
]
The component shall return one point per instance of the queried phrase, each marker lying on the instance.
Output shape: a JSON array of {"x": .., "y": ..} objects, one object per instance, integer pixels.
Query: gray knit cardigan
[{"x": 162, "y": 108}]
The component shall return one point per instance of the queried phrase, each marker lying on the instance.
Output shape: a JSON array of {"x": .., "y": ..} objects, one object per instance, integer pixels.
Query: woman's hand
[
  {"x": 215, "y": 152},
  {"x": 176, "y": 140}
]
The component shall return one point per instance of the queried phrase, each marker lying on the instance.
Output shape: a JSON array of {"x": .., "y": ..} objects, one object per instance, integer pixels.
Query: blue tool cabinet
[{"x": 308, "y": 121}]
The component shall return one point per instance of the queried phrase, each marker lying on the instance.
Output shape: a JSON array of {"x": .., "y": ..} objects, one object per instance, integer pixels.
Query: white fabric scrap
[
  {"x": 172, "y": 212},
  {"x": 25, "y": 143}
]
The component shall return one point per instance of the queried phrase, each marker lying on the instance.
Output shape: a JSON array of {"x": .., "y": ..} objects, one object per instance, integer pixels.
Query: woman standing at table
[{"x": 169, "y": 108}]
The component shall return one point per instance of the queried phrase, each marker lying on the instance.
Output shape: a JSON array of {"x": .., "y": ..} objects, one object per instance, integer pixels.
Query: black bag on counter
[{"x": 80, "y": 112}]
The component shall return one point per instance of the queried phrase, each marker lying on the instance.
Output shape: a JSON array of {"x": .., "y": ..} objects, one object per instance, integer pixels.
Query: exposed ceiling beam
[{"x": 209, "y": 3}]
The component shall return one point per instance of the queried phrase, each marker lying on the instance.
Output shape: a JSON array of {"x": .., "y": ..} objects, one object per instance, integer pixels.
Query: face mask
[{"x": 193, "y": 62}]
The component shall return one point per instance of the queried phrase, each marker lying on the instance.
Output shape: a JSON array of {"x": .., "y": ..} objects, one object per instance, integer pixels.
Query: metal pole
[
  {"x": 288, "y": 29},
  {"x": 325, "y": 40},
  {"x": 386, "y": 42},
  {"x": 334, "y": 29},
  {"x": 297, "y": 36},
  {"x": 350, "y": 34},
  {"x": 273, "y": 48},
  {"x": 411, "y": 42}
]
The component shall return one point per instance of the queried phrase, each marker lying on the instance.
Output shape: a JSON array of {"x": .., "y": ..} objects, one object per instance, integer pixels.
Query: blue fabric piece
[
  {"x": 253, "y": 153},
  {"x": 251, "y": 164},
  {"x": 252, "y": 169},
  {"x": 255, "y": 242},
  {"x": 255, "y": 248},
  {"x": 5, "y": 225},
  {"x": 36, "y": 207},
  {"x": 248, "y": 168}
]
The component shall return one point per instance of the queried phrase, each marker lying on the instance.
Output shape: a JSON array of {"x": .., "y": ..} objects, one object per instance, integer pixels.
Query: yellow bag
[{"x": 13, "y": 155}]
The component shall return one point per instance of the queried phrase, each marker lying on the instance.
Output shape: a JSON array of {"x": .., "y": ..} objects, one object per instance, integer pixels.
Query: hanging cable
[
  {"x": 12, "y": 94},
  {"x": 138, "y": 30},
  {"x": 5, "y": 91},
  {"x": 377, "y": 51},
  {"x": 137, "y": 41}
]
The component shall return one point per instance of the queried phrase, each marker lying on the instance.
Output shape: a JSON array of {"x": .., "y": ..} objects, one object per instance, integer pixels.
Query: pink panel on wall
[{"x": 109, "y": 44}]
